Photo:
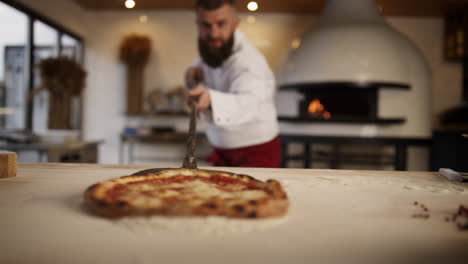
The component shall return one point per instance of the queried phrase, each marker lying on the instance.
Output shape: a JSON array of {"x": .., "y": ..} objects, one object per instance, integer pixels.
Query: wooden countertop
[{"x": 335, "y": 216}]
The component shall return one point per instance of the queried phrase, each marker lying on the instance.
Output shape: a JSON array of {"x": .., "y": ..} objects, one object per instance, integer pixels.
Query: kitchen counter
[
  {"x": 335, "y": 216},
  {"x": 84, "y": 151}
]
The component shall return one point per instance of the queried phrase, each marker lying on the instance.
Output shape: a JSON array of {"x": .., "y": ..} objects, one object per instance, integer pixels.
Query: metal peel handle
[{"x": 190, "y": 161}]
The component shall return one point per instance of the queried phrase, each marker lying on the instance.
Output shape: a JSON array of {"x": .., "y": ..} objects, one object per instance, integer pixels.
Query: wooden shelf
[
  {"x": 160, "y": 113},
  {"x": 159, "y": 137}
]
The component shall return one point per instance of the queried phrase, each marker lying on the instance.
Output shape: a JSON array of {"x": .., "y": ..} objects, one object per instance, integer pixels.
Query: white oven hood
[{"x": 350, "y": 42}]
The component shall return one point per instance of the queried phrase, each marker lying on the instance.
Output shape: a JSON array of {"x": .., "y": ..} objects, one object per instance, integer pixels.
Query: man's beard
[{"x": 215, "y": 57}]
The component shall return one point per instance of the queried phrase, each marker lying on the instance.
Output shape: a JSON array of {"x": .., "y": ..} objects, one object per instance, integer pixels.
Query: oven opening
[
  {"x": 339, "y": 104},
  {"x": 342, "y": 102}
]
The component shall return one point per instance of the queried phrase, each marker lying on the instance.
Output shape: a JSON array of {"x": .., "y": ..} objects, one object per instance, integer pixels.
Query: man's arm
[
  {"x": 201, "y": 97},
  {"x": 250, "y": 94}
]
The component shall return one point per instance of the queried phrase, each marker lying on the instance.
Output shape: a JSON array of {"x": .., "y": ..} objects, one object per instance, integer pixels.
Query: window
[
  {"x": 45, "y": 46},
  {"x": 13, "y": 72},
  {"x": 71, "y": 47},
  {"x": 26, "y": 38}
]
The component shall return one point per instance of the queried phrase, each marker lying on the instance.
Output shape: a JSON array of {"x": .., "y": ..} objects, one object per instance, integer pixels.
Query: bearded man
[{"x": 233, "y": 88}]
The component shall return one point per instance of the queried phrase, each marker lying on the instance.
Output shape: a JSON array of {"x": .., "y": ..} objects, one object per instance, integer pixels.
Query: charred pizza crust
[{"x": 185, "y": 192}]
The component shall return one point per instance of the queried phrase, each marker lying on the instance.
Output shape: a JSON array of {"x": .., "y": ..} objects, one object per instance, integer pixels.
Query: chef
[{"x": 233, "y": 88}]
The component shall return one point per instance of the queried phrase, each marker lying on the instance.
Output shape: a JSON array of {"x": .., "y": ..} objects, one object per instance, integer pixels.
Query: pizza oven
[
  {"x": 354, "y": 80},
  {"x": 352, "y": 69}
]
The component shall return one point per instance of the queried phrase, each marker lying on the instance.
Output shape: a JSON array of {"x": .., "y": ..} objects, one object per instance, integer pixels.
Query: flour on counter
[
  {"x": 404, "y": 183},
  {"x": 203, "y": 226}
]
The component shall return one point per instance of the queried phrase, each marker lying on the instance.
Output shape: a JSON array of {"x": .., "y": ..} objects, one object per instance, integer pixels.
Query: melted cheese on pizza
[{"x": 193, "y": 190}]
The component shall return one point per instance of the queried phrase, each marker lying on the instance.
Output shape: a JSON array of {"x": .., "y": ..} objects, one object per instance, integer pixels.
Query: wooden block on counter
[{"x": 8, "y": 164}]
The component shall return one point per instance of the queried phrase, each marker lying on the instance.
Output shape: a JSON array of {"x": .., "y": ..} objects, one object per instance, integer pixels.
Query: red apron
[{"x": 266, "y": 155}]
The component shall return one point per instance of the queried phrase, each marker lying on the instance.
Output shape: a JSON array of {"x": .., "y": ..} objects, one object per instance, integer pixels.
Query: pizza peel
[{"x": 190, "y": 161}]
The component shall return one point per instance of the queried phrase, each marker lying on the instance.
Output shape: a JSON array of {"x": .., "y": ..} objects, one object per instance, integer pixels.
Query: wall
[
  {"x": 447, "y": 77},
  {"x": 174, "y": 36}
]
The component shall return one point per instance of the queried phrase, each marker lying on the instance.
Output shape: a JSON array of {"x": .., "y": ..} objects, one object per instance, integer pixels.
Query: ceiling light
[
  {"x": 296, "y": 43},
  {"x": 130, "y": 3},
  {"x": 143, "y": 19},
  {"x": 251, "y": 19},
  {"x": 252, "y": 6}
]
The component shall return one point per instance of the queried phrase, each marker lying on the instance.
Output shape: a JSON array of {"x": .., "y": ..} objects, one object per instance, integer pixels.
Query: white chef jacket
[{"x": 242, "y": 94}]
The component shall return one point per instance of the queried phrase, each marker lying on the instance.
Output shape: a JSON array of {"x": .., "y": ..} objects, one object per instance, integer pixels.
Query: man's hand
[
  {"x": 193, "y": 77},
  {"x": 200, "y": 96}
]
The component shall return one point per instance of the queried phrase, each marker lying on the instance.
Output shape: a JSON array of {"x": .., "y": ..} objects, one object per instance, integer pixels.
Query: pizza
[{"x": 187, "y": 192}]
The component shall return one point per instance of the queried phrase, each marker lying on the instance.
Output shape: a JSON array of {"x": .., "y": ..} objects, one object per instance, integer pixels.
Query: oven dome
[{"x": 351, "y": 42}]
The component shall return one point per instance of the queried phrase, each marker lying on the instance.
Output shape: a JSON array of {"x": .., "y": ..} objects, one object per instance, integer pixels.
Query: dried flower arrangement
[
  {"x": 135, "y": 51},
  {"x": 63, "y": 78}
]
